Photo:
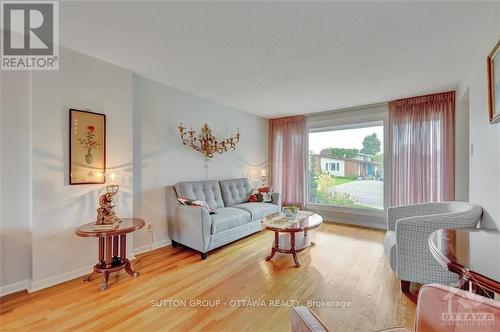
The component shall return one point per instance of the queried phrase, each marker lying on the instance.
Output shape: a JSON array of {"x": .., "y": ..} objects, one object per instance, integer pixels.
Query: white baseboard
[
  {"x": 63, "y": 277},
  {"x": 358, "y": 223},
  {"x": 15, "y": 287},
  {"x": 375, "y": 221},
  {"x": 57, "y": 279},
  {"x": 149, "y": 247},
  {"x": 33, "y": 286}
]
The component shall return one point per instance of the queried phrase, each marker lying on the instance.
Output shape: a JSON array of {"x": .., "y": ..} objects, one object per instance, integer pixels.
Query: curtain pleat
[
  {"x": 287, "y": 159},
  {"x": 422, "y": 142}
]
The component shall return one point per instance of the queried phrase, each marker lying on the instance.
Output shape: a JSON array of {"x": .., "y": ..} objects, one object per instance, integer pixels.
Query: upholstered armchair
[
  {"x": 437, "y": 311},
  {"x": 406, "y": 240}
]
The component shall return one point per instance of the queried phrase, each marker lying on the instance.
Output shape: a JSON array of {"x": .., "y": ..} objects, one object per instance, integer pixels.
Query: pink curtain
[
  {"x": 287, "y": 159},
  {"x": 422, "y": 142}
]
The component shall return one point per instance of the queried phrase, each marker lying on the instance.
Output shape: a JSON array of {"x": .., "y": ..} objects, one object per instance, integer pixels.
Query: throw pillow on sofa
[
  {"x": 260, "y": 195},
  {"x": 253, "y": 196},
  {"x": 264, "y": 197},
  {"x": 188, "y": 201},
  {"x": 266, "y": 194}
]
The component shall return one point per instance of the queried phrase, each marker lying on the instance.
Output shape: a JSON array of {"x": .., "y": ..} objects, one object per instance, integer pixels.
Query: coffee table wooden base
[{"x": 290, "y": 243}]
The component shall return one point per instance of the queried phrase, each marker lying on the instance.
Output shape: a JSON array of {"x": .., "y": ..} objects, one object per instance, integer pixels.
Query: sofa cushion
[
  {"x": 235, "y": 191},
  {"x": 228, "y": 218},
  {"x": 207, "y": 191},
  {"x": 258, "y": 210}
]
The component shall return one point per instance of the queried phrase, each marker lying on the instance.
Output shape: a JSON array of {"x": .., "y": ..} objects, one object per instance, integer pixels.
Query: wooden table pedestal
[
  {"x": 294, "y": 237},
  {"x": 112, "y": 250}
]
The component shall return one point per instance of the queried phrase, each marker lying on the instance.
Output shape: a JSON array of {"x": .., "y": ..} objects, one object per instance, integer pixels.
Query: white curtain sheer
[
  {"x": 287, "y": 159},
  {"x": 422, "y": 141}
]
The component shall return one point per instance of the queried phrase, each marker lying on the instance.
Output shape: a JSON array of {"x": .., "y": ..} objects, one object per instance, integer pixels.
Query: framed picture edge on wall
[
  {"x": 70, "y": 117},
  {"x": 494, "y": 114}
]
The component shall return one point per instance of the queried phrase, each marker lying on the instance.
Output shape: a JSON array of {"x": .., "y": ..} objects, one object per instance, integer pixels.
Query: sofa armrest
[
  {"x": 191, "y": 227},
  {"x": 276, "y": 199},
  {"x": 303, "y": 319}
]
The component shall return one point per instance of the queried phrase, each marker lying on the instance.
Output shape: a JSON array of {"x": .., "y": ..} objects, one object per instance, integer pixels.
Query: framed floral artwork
[
  {"x": 87, "y": 147},
  {"x": 494, "y": 84}
]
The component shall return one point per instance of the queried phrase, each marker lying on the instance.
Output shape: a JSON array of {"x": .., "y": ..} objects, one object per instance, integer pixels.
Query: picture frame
[
  {"x": 87, "y": 147},
  {"x": 493, "y": 65}
]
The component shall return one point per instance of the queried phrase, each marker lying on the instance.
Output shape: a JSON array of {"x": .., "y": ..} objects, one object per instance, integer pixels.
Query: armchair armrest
[
  {"x": 303, "y": 319},
  {"x": 405, "y": 211},
  {"x": 412, "y": 245},
  {"x": 191, "y": 227}
]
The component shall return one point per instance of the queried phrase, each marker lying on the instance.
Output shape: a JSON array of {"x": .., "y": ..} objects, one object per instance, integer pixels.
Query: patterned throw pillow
[
  {"x": 188, "y": 201},
  {"x": 253, "y": 196},
  {"x": 266, "y": 197},
  {"x": 261, "y": 195},
  {"x": 184, "y": 200}
]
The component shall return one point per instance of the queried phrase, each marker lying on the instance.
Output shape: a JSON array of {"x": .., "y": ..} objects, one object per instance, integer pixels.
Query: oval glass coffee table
[{"x": 294, "y": 238}]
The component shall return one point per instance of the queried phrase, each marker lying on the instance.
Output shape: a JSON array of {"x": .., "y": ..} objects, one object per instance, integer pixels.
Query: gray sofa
[{"x": 194, "y": 227}]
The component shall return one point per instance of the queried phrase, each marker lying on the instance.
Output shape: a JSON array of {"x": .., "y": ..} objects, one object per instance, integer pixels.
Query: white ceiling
[{"x": 282, "y": 58}]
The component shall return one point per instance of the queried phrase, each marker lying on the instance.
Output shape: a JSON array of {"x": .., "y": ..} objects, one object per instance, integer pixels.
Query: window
[{"x": 357, "y": 180}]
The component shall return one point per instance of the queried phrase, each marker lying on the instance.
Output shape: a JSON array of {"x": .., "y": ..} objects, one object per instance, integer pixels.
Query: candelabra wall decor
[{"x": 206, "y": 142}]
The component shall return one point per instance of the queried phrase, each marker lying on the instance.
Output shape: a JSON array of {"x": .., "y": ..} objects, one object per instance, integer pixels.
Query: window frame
[{"x": 374, "y": 115}]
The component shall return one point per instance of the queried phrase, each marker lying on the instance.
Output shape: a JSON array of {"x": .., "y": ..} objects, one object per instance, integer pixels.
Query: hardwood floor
[{"x": 346, "y": 265}]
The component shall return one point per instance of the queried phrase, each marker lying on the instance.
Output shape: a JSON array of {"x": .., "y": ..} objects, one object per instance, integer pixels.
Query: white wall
[
  {"x": 86, "y": 83},
  {"x": 15, "y": 236},
  {"x": 40, "y": 210},
  {"x": 462, "y": 148},
  {"x": 484, "y": 182},
  {"x": 161, "y": 159}
]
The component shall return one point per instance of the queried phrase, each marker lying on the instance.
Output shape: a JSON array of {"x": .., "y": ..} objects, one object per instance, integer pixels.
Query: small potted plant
[{"x": 291, "y": 211}]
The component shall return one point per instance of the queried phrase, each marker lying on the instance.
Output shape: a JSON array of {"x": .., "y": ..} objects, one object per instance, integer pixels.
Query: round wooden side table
[
  {"x": 473, "y": 254},
  {"x": 112, "y": 252}
]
